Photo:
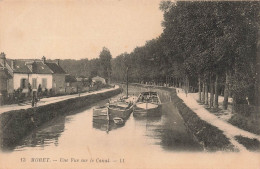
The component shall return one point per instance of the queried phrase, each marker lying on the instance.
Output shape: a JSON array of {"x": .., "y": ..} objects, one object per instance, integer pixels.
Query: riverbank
[
  {"x": 241, "y": 139},
  {"x": 248, "y": 120},
  {"x": 209, "y": 136},
  {"x": 16, "y": 124}
]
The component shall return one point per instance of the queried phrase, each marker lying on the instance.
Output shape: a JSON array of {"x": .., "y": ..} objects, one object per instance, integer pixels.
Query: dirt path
[
  {"x": 49, "y": 100},
  {"x": 228, "y": 129}
]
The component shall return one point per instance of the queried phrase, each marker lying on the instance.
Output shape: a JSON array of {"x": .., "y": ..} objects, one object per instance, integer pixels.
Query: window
[
  {"x": 23, "y": 83},
  {"x": 34, "y": 83},
  {"x": 44, "y": 83}
]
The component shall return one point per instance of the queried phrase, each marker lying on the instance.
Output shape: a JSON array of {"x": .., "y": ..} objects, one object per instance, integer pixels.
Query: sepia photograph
[{"x": 136, "y": 84}]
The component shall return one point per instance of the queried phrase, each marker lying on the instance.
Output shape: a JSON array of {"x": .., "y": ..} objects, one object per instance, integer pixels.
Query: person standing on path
[
  {"x": 34, "y": 99},
  {"x": 39, "y": 90}
]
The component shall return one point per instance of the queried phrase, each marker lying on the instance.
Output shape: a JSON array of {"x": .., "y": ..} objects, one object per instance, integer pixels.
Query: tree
[{"x": 105, "y": 64}]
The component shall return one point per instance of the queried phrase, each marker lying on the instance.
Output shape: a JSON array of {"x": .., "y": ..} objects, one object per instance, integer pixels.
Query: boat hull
[
  {"x": 114, "y": 112},
  {"x": 157, "y": 111},
  {"x": 100, "y": 114}
]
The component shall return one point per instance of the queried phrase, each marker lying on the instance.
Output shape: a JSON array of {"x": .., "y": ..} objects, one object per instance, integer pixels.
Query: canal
[{"x": 76, "y": 134}]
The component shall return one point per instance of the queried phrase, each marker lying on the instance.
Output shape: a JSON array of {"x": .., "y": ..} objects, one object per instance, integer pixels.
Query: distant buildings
[{"x": 98, "y": 79}]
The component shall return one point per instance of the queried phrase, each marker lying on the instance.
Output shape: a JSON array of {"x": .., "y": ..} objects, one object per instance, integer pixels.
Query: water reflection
[
  {"x": 147, "y": 119},
  {"x": 105, "y": 125},
  {"x": 47, "y": 134},
  {"x": 169, "y": 130}
]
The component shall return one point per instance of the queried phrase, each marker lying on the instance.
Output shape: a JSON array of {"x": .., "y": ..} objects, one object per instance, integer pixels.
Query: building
[
  {"x": 5, "y": 76},
  {"x": 98, "y": 79},
  {"x": 32, "y": 73},
  {"x": 71, "y": 84}
]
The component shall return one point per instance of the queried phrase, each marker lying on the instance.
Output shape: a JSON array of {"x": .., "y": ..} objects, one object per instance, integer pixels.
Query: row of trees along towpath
[{"x": 208, "y": 47}]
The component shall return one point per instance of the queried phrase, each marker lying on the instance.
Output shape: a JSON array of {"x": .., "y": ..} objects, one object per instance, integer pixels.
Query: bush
[
  {"x": 249, "y": 123},
  {"x": 250, "y": 144}
]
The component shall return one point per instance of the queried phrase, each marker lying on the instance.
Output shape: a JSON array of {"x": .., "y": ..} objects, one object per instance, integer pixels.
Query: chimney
[
  {"x": 58, "y": 62},
  {"x": 3, "y": 59},
  {"x": 44, "y": 59}
]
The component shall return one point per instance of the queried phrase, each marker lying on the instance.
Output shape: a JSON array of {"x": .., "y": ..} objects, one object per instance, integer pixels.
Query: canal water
[{"x": 76, "y": 133}]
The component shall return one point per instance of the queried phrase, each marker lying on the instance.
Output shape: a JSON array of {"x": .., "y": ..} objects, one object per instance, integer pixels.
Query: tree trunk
[
  {"x": 166, "y": 81},
  {"x": 203, "y": 92},
  {"x": 226, "y": 91},
  {"x": 206, "y": 94},
  {"x": 211, "y": 92},
  {"x": 199, "y": 89},
  {"x": 188, "y": 85},
  {"x": 222, "y": 91},
  {"x": 216, "y": 93},
  {"x": 127, "y": 82}
]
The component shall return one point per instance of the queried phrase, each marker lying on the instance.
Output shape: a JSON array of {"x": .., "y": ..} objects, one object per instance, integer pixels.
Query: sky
[{"x": 76, "y": 29}]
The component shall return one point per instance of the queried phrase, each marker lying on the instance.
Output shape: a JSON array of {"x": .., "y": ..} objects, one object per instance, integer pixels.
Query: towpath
[
  {"x": 228, "y": 129},
  {"x": 50, "y": 100}
]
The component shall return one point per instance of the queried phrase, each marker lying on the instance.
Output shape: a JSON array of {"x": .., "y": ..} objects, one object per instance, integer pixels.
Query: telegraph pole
[{"x": 127, "y": 82}]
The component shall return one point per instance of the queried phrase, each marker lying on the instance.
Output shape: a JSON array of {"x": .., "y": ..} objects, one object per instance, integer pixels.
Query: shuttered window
[
  {"x": 44, "y": 83},
  {"x": 34, "y": 83},
  {"x": 23, "y": 83},
  {"x": 26, "y": 84}
]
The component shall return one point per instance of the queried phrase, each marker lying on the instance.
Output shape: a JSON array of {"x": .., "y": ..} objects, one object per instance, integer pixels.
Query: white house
[{"x": 36, "y": 72}]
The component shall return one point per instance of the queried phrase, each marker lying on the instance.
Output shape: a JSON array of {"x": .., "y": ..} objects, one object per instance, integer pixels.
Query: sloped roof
[
  {"x": 4, "y": 73},
  {"x": 70, "y": 78},
  {"x": 98, "y": 78},
  {"x": 42, "y": 68},
  {"x": 21, "y": 66},
  {"x": 1, "y": 65},
  {"x": 55, "y": 68}
]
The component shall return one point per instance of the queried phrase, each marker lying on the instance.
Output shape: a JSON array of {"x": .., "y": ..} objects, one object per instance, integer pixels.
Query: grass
[
  {"x": 250, "y": 144},
  {"x": 251, "y": 123},
  {"x": 209, "y": 136},
  {"x": 248, "y": 120}
]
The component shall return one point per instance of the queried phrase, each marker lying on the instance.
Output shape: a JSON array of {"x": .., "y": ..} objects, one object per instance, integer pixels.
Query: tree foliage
[
  {"x": 201, "y": 39},
  {"x": 105, "y": 63}
]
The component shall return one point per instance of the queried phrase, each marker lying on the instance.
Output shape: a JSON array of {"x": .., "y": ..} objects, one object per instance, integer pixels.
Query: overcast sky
[{"x": 76, "y": 29}]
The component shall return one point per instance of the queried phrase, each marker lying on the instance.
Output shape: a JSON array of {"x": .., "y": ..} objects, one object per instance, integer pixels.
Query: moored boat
[
  {"x": 100, "y": 113},
  {"x": 118, "y": 121},
  {"x": 120, "y": 109},
  {"x": 148, "y": 104}
]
